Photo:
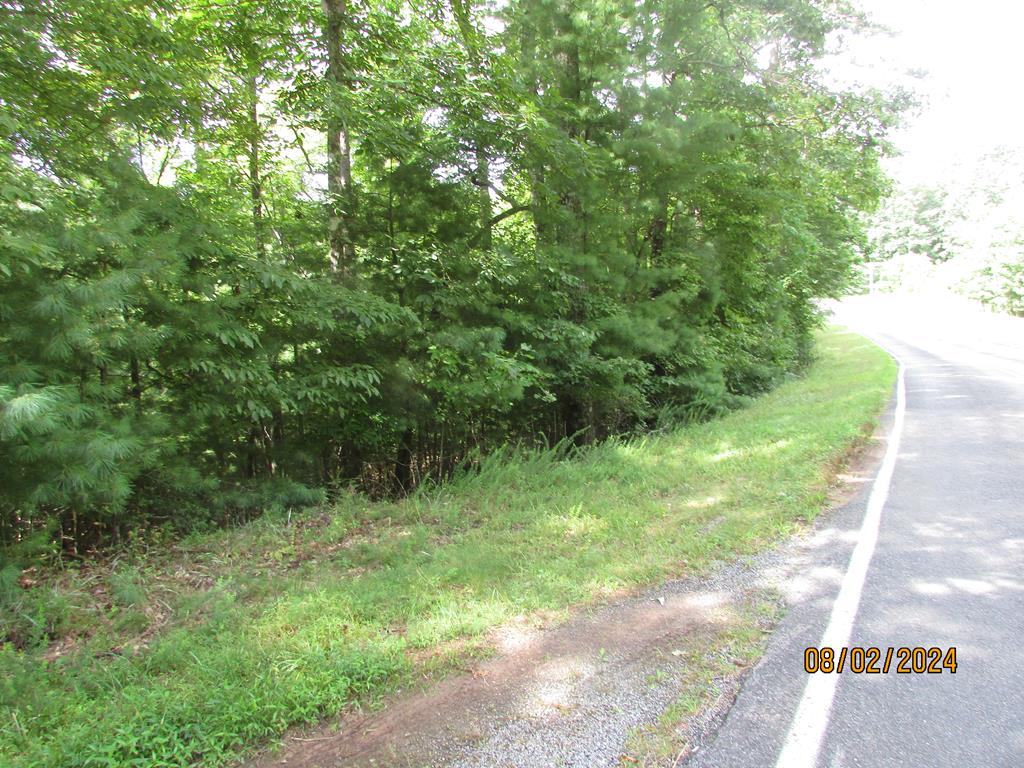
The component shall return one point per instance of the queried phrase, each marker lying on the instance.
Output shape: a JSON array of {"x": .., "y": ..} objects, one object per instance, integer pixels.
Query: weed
[{"x": 125, "y": 588}]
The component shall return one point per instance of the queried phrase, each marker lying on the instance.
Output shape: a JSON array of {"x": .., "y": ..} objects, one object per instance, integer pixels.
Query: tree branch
[{"x": 498, "y": 218}]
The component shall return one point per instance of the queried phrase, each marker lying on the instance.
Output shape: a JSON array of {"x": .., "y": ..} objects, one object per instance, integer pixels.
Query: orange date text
[{"x": 872, "y": 660}]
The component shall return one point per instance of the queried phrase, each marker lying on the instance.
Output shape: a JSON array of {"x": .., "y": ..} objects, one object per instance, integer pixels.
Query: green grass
[{"x": 197, "y": 650}]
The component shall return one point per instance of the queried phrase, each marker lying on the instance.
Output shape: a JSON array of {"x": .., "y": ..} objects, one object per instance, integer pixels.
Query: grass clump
[{"x": 234, "y": 636}]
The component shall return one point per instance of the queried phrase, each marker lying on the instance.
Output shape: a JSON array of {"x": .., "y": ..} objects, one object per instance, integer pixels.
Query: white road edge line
[{"x": 803, "y": 741}]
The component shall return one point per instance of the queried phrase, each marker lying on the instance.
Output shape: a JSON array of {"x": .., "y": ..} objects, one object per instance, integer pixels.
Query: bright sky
[{"x": 973, "y": 56}]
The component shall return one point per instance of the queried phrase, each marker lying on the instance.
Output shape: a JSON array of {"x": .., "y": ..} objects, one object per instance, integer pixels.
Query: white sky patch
[
  {"x": 763, "y": 57},
  {"x": 970, "y": 56},
  {"x": 434, "y": 117},
  {"x": 654, "y": 79},
  {"x": 607, "y": 98},
  {"x": 493, "y": 25}
]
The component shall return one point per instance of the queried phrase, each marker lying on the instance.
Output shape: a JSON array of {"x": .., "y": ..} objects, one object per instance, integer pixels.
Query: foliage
[
  {"x": 253, "y": 251},
  {"x": 241, "y": 632}
]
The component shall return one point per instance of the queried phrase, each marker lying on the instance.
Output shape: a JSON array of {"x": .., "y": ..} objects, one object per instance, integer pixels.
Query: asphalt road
[{"x": 946, "y": 570}]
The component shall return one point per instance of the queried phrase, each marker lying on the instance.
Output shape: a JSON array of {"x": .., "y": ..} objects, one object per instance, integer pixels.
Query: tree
[{"x": 273, "y": 248}]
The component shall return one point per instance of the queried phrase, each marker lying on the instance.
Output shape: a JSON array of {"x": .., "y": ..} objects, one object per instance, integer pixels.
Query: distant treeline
[
  {"x": 964, "y": 232},
  {"x": 250, "y": 251}
]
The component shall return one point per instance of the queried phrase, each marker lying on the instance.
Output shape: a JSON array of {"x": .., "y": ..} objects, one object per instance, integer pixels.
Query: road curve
[{"x": 946, "y": 570}]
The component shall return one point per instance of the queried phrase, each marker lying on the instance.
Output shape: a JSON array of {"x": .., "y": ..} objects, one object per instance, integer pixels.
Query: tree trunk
[
  {"x": 403, "y": 462},
  {"x": 339, "y": 149},
  {"x": 463, "y": 17},
  {"x": 538, "y": 198},
  {"x": 136, "y": 378},
  {"x": 484, "y": 182},
  {"x": 340, "y": 191},
  {"x": 255, "y": 177}
]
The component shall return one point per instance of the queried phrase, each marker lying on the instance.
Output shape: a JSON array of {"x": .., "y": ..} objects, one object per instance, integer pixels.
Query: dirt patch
[
  {"x": 531, "y": 679},
  {"x": 856, "y": 467}
]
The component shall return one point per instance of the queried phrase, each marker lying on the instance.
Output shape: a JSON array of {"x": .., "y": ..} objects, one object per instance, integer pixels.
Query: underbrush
[{"x": 193, "y": 650}]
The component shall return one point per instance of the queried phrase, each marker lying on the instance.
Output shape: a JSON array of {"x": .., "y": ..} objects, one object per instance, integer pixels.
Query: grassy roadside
[{"x": 196, "y": 650}]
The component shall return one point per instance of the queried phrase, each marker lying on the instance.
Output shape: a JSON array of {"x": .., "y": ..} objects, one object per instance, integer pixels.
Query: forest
[
  {"x": 963, "y": 233},
  {"x": 256, "y": 254}
]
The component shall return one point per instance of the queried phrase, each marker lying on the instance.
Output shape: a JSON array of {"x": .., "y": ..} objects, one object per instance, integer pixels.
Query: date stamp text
[{"x": 872, "y": 660}]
